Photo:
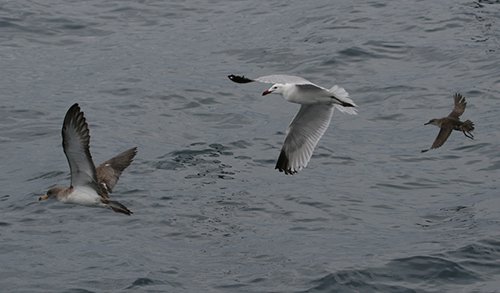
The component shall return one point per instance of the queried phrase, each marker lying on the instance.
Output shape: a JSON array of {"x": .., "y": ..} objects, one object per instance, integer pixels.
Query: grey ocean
[{"x": 369, "y": 214}]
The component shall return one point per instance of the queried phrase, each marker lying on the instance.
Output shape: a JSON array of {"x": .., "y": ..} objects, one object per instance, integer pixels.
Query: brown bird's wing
[
  {"x": 459, "y": 107},
  {"x": 76, "y": 138},
  {"x": 443, "y": 135},
  {"x": 109, "y": 171}
]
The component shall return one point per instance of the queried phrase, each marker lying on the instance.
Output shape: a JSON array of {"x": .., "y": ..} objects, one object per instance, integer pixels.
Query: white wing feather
[
  {"x": 303, "y": 135},
  {"x": 279, "y": 78}
]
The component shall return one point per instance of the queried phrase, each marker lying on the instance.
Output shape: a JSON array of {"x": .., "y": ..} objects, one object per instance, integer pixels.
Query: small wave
[
  {"x": 454, "y": 269},
  {"x": 78, "y": 290},
  {"x": 411, "y": 274},
  {"x": 147, "y": 282}
]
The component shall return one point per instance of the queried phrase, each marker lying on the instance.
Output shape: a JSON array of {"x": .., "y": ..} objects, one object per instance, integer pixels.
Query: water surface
[{"x": 369, "y": 214}]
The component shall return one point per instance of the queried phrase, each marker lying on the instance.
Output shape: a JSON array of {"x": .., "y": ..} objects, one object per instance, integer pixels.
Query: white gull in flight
[{"x": 312, "y": 120}]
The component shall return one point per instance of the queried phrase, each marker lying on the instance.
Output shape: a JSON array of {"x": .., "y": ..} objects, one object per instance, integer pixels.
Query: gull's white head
[{"x": 277, "y": 88}]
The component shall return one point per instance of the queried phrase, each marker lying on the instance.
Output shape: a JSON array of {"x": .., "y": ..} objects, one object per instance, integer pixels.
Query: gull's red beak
[{"x": 266, "y": 92}]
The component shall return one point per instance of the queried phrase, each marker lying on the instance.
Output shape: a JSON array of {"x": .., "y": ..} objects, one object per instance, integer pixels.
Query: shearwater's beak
[
  {"x": 427, "y": 123},
  {"x": 43, "y": 197},
  {"x": 266, "y": 92}
]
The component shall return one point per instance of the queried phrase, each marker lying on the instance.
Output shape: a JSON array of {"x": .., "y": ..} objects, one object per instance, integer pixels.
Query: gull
[
  {"x": 90, "y": 186},
  {"x": 312, "y": 120},
  {"x": 452, "y": 122}
]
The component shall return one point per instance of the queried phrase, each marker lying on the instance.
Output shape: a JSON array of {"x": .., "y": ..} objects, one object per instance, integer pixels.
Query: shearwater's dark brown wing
[
  {"x": 459, "y": 107},
  {"x": 109, "y": 172},
  {"x": 76, "y": 138},
  {"x": 443, "y": 135}
]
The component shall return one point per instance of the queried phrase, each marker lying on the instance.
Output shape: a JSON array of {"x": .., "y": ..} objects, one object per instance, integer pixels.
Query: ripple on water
[
  {"x": 451, "y": 269},
  {"x": 206, "y": 160},
  {"x": 151, "y": 283},
  {"x": 410, "y": 274},
  {"x": 79, "y": 290}
]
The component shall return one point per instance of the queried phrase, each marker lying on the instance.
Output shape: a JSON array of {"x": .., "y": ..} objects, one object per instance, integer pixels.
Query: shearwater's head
[
  {"x": 277, "y": 88},
  {"x": 53, "y": 193},
  {"x": 434, "y": 122}
]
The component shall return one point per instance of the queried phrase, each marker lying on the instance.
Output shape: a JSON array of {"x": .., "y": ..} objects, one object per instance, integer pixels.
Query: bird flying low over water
[
  {"x": 312, "y": 120},
  {"x": 452, "y": 122},
  {"x": 90, "y": 186}
]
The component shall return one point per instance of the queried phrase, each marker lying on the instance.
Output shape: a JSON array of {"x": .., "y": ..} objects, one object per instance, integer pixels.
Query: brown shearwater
[
  {"x": 90, "y": 186},
  {"x": 452, "y": 122}
]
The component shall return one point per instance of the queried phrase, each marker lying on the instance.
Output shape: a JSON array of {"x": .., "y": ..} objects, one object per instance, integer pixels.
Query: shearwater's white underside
[{"x": 83, "y": 195}]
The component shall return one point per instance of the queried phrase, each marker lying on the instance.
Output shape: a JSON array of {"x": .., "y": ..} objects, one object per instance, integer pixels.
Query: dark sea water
[{"x": 369, "y": 214}]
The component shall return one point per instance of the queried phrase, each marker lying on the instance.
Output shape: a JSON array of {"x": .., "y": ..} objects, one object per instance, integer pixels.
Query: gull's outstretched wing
[
  {"x": 76, "y": 138},
  {"x": 303, "y": 135},
  {"x": 278, "y": 78}
]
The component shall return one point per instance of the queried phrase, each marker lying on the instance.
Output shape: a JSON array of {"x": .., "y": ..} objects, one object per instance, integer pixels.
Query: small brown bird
[
  {"x": 452, "y": 122},
  {"x": 90, "y": 186}
]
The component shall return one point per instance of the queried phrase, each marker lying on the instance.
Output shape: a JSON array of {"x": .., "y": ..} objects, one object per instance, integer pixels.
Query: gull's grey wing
[
  {"x": 278, "y": 78},
  {"x": 338, "y": 95},
  {"x": 459, "y": 107},
  {"x": 76, "y": 138},
  {"x": 303, "y": 135},
  {"x": 312, "y": 89},
  {"x": 109, "y": 172}
]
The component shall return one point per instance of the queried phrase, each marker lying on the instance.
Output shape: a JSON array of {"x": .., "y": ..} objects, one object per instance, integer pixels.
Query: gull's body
[
  {"x": 90, "y": 186},
  {"x": 312, "y": 120},
  {"x": 452, "y": 122}
]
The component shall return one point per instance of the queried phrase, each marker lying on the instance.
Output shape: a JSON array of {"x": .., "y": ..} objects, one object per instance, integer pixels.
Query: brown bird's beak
[
  {"x": 427, "y": 123},
  {"x": 266, "y": 92},
  {"x": 43, "y": 197}
]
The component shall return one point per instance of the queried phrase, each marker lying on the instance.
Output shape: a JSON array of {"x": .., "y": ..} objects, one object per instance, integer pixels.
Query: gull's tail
[{"x": 346, "y": 104}]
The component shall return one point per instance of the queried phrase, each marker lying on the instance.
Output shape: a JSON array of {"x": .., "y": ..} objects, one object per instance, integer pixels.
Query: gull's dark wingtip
[
  {"x": 239, "y": 78},
  {"x": 345, "y": 104},
  {"x": 282, "y": 164}
]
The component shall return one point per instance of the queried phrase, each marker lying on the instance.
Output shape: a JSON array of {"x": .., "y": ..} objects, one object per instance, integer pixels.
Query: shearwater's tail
[
  {"x": 118, "y": 207},
  {"x": 467, "y": 126},
  {"x": 346, "y": 104}
]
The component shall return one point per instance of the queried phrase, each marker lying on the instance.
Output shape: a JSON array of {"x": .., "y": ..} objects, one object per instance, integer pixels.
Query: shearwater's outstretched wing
[
  {"x": 441, "y": 138},
  {"x": 459, "y": 107},
  {"x": 76, "y": 138},
  {"x": 109, "y": 172}
]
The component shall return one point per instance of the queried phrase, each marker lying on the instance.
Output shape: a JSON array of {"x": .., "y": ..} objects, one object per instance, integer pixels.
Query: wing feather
[
  {"x": 459, "y": 107},
  {"x": 109, "y": 172},
  {"x": 442, "y": 136},
  {"x": 281, "y": 78},
  {"x": 303, "y": 134},
  {"x": 276, "y": 78},
  {"x": 76, "y": 138}
]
